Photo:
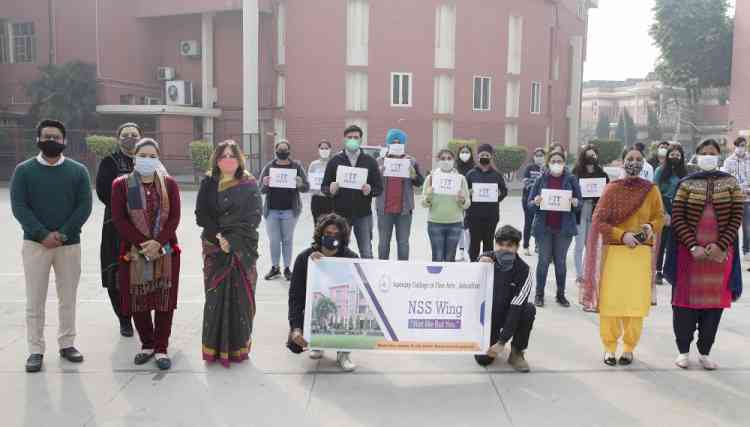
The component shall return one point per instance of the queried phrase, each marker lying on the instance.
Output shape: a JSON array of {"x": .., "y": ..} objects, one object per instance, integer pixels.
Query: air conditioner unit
[
  {"x": 152, "y": 100},
  {"x": 190, "y": 48},
  {"x": 165, "y": 73},
  {"x": 179, "y": 92}
]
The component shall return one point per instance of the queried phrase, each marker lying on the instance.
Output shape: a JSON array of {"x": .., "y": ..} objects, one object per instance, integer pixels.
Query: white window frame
[
  {"x": 400, "y": 102},
  {"x": 486, "y": 86},
  {"x": 536, "y": 103},
  {"x": 28, "y": 40}
]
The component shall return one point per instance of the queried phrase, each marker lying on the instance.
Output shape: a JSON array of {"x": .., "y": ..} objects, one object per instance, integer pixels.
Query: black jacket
[
  {"x": 352, "y": 204},
  {"x": 298, "y": 285},
  {"x": 511, "y": 293},
  {"x": 484, "y": 211}
]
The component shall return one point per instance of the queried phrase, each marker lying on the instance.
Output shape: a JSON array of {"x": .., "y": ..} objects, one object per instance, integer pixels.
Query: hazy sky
[{"x": 619, "y": 46}]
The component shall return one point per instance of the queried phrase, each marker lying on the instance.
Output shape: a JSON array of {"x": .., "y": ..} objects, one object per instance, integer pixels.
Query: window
[
  {"x": 356, "y": 91},
  {"x": 443, "y": 95},
  {"x": 482, "y": 91},
  {"x": 362, "y": 123},
  {"x": 357, "y": 32},
  {"x": 400, "y": 89},
  {"x": 281, "y": 34},
  {"x": 445, "y": 36},
  {"x": 536, "y": 98},
  {"x": 280, "y": 90},
  {"x": 5, "y": 55},
  {"x": 515, "y": 44},
  {"x": 511, "y": 134},
  {"x": 512, "y": 99}
]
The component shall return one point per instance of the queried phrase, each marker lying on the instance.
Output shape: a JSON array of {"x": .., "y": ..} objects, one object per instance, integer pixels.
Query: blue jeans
[
  {"x": 746, "y": 229},
  {"x": 444, "y": 240},
  {"x": 552, "y": 248},
  {"x": 362, "y": 228},
  {"x": 280, "y": 228},
  {"x": 386, "y": 223}
]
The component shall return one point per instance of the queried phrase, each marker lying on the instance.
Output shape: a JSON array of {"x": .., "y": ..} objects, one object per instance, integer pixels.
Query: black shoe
[
  {"x": 142, "y": 358},
  {"x": 659, "y": 278},
  {"x": 287, "y": 274},
  {"x": 274, "y": 273},
  {"x": 562, "y": 301},
  {"x": 626, "y": 359},
  {"x": 610, "y": 360},
  {"x": 71, "y": 355},
  {"x": 34, "y": 363},
  {"x": 164, "y": 363},
  {"x": 539, "y": 301},
  {"x": 483, "y": 359},
  {"x": 126, "y": 328}
]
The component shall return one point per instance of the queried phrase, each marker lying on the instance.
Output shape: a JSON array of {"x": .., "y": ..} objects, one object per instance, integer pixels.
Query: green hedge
[
  {"x": 510, "y": 159},
  {"x": 609, "y": 151},
  {"x": 200, "y": 155},
  {"x": 101, "y": 146},
  {"x": 455, "y": 144}
]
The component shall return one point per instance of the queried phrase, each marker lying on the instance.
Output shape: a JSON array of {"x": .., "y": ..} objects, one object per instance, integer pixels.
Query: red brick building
[{"x": 739, "y": 110}]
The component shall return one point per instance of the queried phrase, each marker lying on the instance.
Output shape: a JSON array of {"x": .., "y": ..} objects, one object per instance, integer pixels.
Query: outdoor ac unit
[
  {"x": 152, "y": 100},
  {"x": 179, "y": 92},
  {"x": 165, "y": 73},
  {"x": 190, "y": 48}
]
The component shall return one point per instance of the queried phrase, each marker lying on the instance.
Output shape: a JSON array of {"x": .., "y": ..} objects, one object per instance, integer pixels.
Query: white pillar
[
  {"x": 250, "y": 36},
  {"x": 207, "y": 72},
  {"x": 576, "y": 87}
]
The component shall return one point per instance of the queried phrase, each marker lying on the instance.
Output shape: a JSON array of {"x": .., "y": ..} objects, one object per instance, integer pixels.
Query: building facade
[
  {"x": 260, "y": 70},
  {"x": 739, "y": 115}
]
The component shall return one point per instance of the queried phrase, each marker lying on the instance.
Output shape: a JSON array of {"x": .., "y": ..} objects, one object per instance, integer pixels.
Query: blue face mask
[
  {"x": 147, "y": 166},
  {"x": 505, "y": 260}
]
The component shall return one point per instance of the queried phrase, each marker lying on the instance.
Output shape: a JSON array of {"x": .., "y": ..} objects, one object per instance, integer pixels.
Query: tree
[
  {"x": 626, "y": 130},
  {"x": 323, "y": 310},
  {"x": 654, "y": 127},
  {"x": 65, "y": 92},
  {"x": 609, "y": 150},
  {"x": 602, "y": 127}
]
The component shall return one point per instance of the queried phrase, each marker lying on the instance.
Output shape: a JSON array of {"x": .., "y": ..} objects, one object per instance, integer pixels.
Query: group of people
[{"x": 682, "y": 227}]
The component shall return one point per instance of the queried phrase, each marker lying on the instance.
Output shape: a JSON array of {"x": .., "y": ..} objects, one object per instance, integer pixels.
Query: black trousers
[
  {"x": 320, "y": 205},
  {"x": 686, "y": 320},
  {"x": 114, "y": 299},
  {"x": 482, "y": 233},
  {"x": 521, "y": 337}
]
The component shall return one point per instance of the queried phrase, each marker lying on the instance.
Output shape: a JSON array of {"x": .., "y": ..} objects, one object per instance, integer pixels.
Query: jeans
[
  {"x": 482, "y": 233},
  {"x": 746, "y": 229},
  {"x": 280, "y": 228},
  {"x": 553, "y": 248},
  {"x": 363, "y": 233},
  {"x": 444, "y": 240},
  {"x": 386, "y": 223},
  {"x": 583, "y": 236},
  {"x": 528, "y": 219}
]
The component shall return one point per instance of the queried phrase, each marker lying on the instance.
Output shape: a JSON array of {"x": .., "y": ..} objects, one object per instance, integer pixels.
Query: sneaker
[
  {"x": 659, "y": 278},
  {"x": 626, "y": 359},
  {"x": 316, "y": 354},
  {"x": 34, "y": 362},
  {"x": 539, "y": 301},
  {"x": 562, "y": 301},
  {"x": 163, "y": 362},
  {"x": 496, "y": 350},
  {"x": 287, "y": 274},
  {"x": 682, "y": 361},
  {"x": 517, "y": 360},
  {"x": 707, "y": 363},
  {"x": 345, "y": 362},
  {"x": 274, "y": 273},
  {"x": 610, "y": 359},
  {"x": 71, "y": 355}
]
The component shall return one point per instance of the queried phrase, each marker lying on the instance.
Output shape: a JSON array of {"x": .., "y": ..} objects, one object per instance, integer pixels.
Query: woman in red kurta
[{"x": 146, "y": 213}]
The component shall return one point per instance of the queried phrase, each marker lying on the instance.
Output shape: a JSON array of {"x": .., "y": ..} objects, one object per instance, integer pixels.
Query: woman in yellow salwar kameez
[{"x": 619, "y": 270}]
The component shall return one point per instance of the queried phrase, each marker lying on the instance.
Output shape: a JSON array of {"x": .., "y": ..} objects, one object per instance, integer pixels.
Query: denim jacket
[{"x": 539, "y": 225}]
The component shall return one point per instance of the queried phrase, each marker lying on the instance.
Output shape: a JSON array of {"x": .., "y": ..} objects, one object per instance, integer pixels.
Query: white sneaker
[
  {"x": 707, "y": 363},
  {"x": 746, "y": 257},
  {"x": 682, "y": 361},
  {"x": 345, "y": 362},
  {"x": 316, "y": 354},
  {"x": 460, "y": 257}
]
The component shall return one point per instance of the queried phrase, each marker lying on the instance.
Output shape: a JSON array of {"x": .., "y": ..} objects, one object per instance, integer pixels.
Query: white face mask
[
  {"x": 396, "y": 149},
  {"x": 740, "y": 151},
  {"x": 662, "y": 152},
  {"x": 147, "y": 166},
  {"x": 324, "y": 153},
  {"x": 708, "y": 163},
  {"x": 539, "y": 160},
  {"x": 556, "y": 169},
  {"x": 446, "y": 165},
  {"x": 465, "y": 157}
]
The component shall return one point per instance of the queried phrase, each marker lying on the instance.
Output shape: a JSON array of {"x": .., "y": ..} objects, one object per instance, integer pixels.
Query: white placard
[
  {"x": 556, "y": 200},
  {"x": 446, "y": 183},
  {"x": 396, "y": 149},
  {"x": 485, "y": 193},
  {"x": 282, "y": 178},
  {"x": 351, "y": 178},
  {"x": 316, "y": 180},
  {"x": 398, "y": 168},
  {"x": 592, "y": 187}
]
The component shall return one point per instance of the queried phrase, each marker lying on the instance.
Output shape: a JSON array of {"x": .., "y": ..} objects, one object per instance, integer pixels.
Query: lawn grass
[{"x": 353, "y": 342}]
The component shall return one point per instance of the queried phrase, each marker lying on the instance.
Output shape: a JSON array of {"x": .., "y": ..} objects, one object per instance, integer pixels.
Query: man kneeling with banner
[{"x": 512, "y": 314}]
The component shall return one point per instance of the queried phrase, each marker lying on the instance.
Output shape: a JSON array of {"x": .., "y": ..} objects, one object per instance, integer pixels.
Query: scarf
[
  {"x": 148, "y": 276},
  {"x": 621, "y": 199}
]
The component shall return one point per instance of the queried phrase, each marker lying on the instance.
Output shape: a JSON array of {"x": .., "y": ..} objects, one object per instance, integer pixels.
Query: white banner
[
  {"x": 556, "y": 200},
  {"x": 398, "y": 168},
  {"x": 316, "y": 180},
  {"x": 396, "y": 149},
  {"x": 351, "y": 178},
  {"x": 592, "y": 187},
  {"x": 446, "y": 183},
  {"x": 354, "y": 304},
  {"x": 485, "y": 193},
  {"x": 282, "y": 178}
]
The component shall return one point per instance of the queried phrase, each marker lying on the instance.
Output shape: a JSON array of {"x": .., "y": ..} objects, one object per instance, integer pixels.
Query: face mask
[
  {"x": 591, "y": 161},
  {"x": 128, "y": 145},
  {"x": 329, "y": 242},
  {"x": 662, "y": 152},
  {"x": 539, "y": 160},
  {"x": 446, "y": 165},
  {"x": 556, "y": 169},
  {"x": 505, "y": 260},
  {"x": 352, "y": 145},
  {"x": 484, "y": 161},
  {"x": 324, "y": 153},
  {"x": 147, "y": 166},
  {"x": 633, "y": 168},
  {"x": 465, "y": 157},
  {"x": 396, "y": 149},
  {"x": 675, "y": 160},
  {"x": 740, "y": 151},
  {"x": 228, "y": 166},
  {"x": 282, "y": 155},
  {"x": 708, "y": 163},
  {"x": 50, "y": 147}
]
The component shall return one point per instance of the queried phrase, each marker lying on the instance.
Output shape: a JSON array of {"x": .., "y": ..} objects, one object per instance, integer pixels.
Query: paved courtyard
[{"x": 569, "y": 385}]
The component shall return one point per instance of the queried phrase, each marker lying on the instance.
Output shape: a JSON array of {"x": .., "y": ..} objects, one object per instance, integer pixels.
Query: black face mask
[
  {"x": 591, "y": 161},
  {"x": 330, "y": 243},
  {"x": 50, "y": 147},
  {"x": 282, "y": 155},
  {"x": 505, "y": 260},
  {"x": 128, "y": 145},
  {"x": 674, "y": 161},
  {"x": 484, "y": 161}
]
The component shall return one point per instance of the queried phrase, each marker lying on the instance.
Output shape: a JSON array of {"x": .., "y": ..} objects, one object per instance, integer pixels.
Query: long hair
[
  {"x": 331, "y": 219},
  {"x": 677, "y": 170},
  {"x": 219, "y": 152},
  {"x": 465, "y": 167},
  {"x": 580, "y": 167}
]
